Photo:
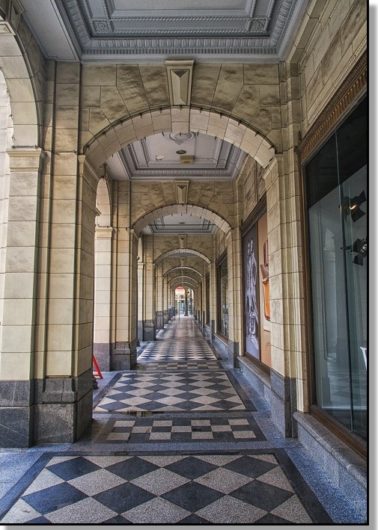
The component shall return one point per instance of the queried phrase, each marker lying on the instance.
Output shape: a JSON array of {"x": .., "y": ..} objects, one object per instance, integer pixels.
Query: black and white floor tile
[
  {"x": 258, "y": 488},
  {"x": 179, "y": 394},
  {"x": 179, "y": 366},
  {"x": 188, "y": 391},
  {"x": 180, "y": 429}
]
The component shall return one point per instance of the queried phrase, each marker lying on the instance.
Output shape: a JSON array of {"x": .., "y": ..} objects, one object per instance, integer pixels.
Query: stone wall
[
  {"x": 246, "y": 91},
  {"x": 332, "y": 37},
  {"x": 6, "y": 132}
]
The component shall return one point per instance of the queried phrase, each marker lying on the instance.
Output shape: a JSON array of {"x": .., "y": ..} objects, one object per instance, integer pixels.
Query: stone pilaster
[
  {"x": 19, "y": 310},
  {"x": 159, "y": 297},
  {"x": 102, "y": 296},
  {"x": 213, "y": 299},
  {"x": 123, "y": 355},
  {"x": 149, "y": 322},
  {"x": 234, "y": 290}
]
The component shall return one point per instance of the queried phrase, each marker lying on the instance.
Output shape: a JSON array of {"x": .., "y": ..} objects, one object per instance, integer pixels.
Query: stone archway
[
  {"x": 182, "y": 252},
  {"x": 184, "y": 209},
  {"x": 183, "y": 277},
  {"x": 181, "y": 268},
  {"x": 110, "y": 139},
  {"x": 20, "y": 160},
  {"x": 25, "y": 91}
]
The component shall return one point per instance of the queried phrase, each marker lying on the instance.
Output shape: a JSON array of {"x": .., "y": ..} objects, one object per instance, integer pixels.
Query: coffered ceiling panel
[{"x": 146, "y": 29}]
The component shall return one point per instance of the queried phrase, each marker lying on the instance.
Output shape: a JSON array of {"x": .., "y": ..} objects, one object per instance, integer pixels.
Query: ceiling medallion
[{"x": 180, "y": 138}]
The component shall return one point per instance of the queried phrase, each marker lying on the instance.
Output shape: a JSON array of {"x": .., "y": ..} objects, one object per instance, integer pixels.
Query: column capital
[
  {"x": 85, "y": 165},
  {"x": 104, "y": 232},
  {"x": 23, "y": 159}
]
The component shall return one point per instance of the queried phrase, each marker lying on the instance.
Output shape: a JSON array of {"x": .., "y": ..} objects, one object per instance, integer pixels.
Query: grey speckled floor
[{"x": 284, "y": 484}]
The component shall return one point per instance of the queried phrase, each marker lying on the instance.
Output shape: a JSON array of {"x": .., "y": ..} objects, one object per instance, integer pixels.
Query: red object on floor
[{"x": 96, "y": 371}]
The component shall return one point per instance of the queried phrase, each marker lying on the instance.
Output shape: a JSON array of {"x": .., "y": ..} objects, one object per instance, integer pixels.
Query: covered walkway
[{"x": 183, "y": 439}]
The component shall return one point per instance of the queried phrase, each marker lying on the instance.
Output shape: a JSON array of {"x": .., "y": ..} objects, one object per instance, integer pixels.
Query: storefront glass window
[{"x": 336, "y": 180}]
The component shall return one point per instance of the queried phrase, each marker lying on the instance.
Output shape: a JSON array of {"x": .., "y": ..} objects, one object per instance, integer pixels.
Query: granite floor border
[
  {"x": 247, "y": 402},
  {"x": 98, "y": 396}
]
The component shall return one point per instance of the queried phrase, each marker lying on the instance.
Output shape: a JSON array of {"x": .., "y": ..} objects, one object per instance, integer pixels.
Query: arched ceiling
[
  {"x": 181, "y": 253},
  {"x": 167, "y": 156},
  {"x": 180, "y": 219},
  {"x": 154, "y": 29}
]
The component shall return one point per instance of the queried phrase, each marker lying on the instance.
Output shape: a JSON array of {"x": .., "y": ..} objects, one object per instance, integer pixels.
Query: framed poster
[
  {"x": 251, "y": 293},
  {"x": 257, "y": 291}
]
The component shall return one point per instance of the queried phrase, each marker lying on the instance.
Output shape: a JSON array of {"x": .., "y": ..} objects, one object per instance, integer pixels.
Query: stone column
[
  {"x": 186, "y": 302},
  {"x": 102, "y": 296},
  {"x": 19, "y": 287},
  {"x": 282, "y": 181},
  {"x": 64, "y": 339},
  {"x": 165, "y": 300},
  {"x": 140, "y": 299},
  {"x": 203, "y": 292},
  {"x": 149, "y": 290},
  {"x": 213, "y": 299},
  {"x": 286, "y": 299},
  {"x": 234, "y": 267},
  {"x": 159, "y": 297},
  {"x": 123, "y": 356}
]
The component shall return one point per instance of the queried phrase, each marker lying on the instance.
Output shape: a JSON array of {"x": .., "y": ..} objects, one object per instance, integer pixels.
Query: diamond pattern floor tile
[{"x": 179, "y": 394}]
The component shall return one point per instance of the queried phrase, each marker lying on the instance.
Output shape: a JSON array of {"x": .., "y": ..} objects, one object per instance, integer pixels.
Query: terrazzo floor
[{"x": 179, "y": 441}]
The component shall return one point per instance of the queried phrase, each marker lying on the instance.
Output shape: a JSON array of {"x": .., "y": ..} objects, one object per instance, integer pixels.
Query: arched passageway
[{"x": 219, "y": 173}]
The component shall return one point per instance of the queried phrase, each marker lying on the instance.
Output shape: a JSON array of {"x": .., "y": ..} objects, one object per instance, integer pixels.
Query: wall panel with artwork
[{"x": 256, "y": 288}]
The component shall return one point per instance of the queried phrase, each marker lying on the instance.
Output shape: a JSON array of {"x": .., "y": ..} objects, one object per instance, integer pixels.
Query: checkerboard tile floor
[
  {"x": 180, "y": 393},
  {"x": 188, "y": 391},
  {"x": 177, "y": 351},
  {"x": 180, "y": 430},
  {"x": 179, "y": 366},
  {"x": 166, "y": 489}
]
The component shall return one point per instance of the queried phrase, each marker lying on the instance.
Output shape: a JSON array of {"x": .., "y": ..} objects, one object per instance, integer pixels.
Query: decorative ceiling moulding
[
  {"x": 12, "y": 10},
  {"x": 349, "y": 93},
  {"x": 180, "y": 82},
  {"x": 107, "y": 28},
  {"x": 229, "y": 172}
]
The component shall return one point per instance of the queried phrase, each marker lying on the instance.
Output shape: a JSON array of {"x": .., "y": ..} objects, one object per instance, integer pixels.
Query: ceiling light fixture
[
  {"x": 180, "y": 138},
  {"x": 181, "y": 152}
]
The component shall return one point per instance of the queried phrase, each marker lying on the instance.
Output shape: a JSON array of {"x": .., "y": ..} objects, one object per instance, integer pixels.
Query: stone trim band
[{"x": 350, "y": 90}]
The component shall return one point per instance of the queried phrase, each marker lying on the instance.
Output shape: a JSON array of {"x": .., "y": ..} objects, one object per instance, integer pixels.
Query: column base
[
  {"x": 283, "y": 399},
  {"x": 16, "y": 426},
  {"x": 212, "y": 327},
  {"x": 149, "y": 330},
  {"x": 63, "y": 408},
  {"x": 102, "y": 353},
  {"x": 159, "y": 319},
  {"x": 123, "y": 356},
  {"x": 233, "y": 351},
  {"x": 140, "y": 331},
  {"x": 54, "y": 410}
]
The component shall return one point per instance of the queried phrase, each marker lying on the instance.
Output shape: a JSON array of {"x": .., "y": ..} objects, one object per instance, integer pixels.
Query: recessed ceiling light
[
  {"x": 159, "y": 157},
  {"x": 181, "y": 152}
]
